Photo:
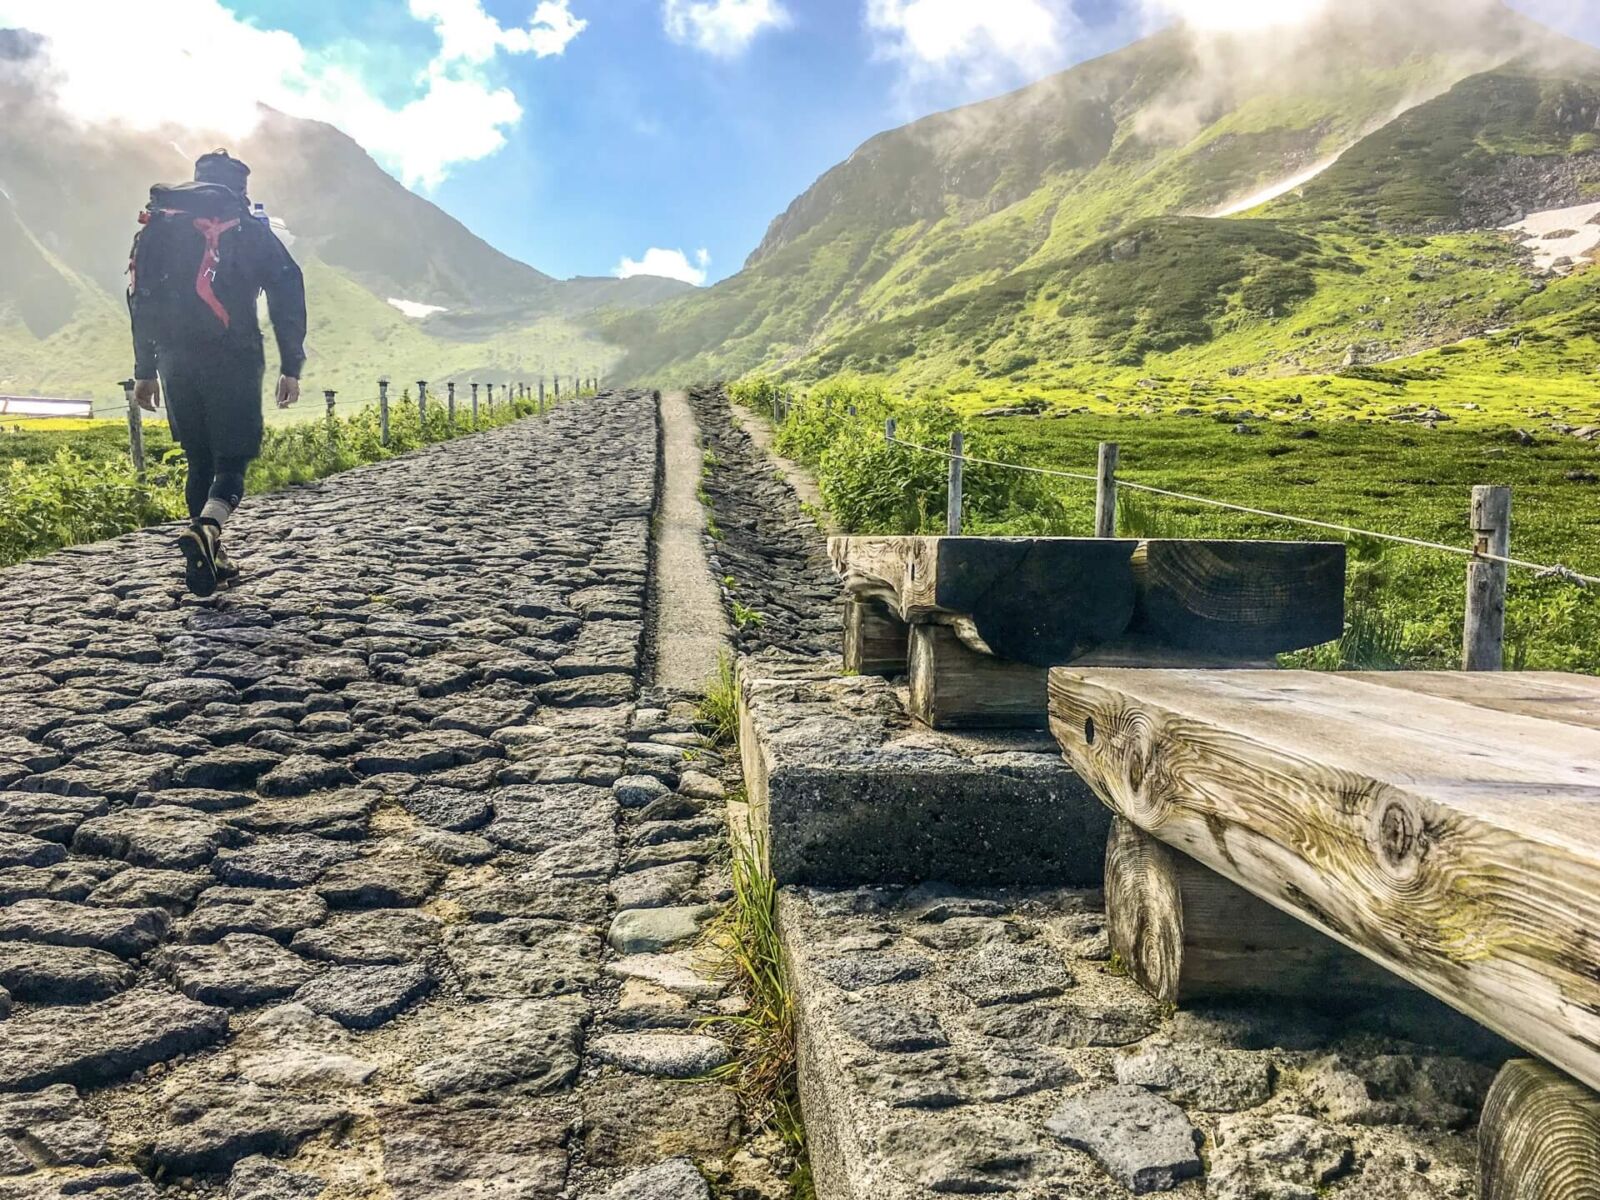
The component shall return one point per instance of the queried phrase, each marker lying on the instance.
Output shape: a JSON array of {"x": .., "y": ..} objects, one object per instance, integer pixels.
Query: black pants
[
  {"x": 213, "y": 479},
  {"x": 214, "y": 407}
]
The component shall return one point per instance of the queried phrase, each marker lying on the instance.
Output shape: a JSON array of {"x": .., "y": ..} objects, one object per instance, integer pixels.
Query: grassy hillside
[{"x": 1090, "y": 223}]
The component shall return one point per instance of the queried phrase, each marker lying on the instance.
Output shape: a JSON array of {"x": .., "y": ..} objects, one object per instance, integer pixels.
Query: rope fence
[{"x": 1489, "y": 558}]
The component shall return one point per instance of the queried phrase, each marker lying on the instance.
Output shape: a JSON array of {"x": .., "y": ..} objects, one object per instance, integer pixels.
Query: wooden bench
[
  {"x": 977, "y": 622},
  {"x": 1444, "y": 826}
]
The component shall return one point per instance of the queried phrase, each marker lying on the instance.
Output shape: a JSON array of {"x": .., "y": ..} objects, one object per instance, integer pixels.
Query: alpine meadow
[{"x": 799, "y": 599}]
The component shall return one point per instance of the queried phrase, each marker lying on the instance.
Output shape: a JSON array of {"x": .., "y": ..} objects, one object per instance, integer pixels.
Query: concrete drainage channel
[{"x": 962, "y": 1026}]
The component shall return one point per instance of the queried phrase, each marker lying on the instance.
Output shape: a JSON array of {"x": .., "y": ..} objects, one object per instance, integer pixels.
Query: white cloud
[
  {"x": 190, "y": 63},
  {"x": 468, "y": 34},
  {"x": 669, "y": 264},
  {"x": 721, "y": 27},
  {"x": 983, "y": 43},
  {"x": 1236, "y": 15}
]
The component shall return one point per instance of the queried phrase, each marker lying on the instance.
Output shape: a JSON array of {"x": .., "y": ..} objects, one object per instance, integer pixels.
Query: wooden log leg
[
  {"x": 1540, "y": 1136},
  {"x": 953, "y": 687},
  {"x": 875, "y": 640},
  {"x": 1185, "y": 934}
]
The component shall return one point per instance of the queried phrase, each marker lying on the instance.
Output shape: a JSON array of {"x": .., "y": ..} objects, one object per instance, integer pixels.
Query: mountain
[
  {"x": 1276, "y": 203},
  {"x": 70, "y": 195}
]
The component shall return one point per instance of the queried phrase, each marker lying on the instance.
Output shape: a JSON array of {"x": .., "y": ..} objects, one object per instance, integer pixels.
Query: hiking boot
[
  {"x": 199, "y": 544},
  {"x": 227, "y": 573}
]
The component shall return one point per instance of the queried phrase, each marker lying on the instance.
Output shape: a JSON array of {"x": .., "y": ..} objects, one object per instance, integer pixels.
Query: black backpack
[{"x": 192, "y": 236}]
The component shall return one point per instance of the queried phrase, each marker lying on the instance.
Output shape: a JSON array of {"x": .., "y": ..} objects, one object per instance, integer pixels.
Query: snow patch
[
  {"x": 1582, "y": 234},
  {"x": 416, "y": 311},
  {"x": 1234, "y": 207}
]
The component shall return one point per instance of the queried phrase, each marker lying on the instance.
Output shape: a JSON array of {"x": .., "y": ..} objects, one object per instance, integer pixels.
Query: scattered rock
[
  {"x": 164, "y": 836},
  {"x": 213, "y": 1126},
  {"x": 242, "y": 969},
  {"x": 670, "y": 1055},
  {"x": 697, "y": 785},
  {"x": 1143, "y": 1141},
  {"x": 296, "y": 861},
  {"x": 675, "y": 1179},
  {"x": 1283, "y": 1157},
  {"x": 126, "y": 932},
  {"x": 896, "y": 1030},
  {"x": 1200, "y": 1077},
  {"x": 637, "y": 791},
  {"x": 105, "y": 1041},
  {"x": 258, "y": 1178},
  {"x": 647, "y": 930},
  {"x": 366, "y": 997}
]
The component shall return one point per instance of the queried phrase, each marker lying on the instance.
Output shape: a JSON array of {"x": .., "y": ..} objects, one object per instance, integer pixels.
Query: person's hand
[
  {"x": 288, "y": 391},
  {"x": 147, "y": 394}
]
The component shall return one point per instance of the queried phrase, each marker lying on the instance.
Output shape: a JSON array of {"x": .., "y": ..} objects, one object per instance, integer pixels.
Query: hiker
[{"x": 198, "y": 264}]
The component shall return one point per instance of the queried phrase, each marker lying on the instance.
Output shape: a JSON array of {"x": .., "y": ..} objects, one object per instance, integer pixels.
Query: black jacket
[{"x": 259, "y": 263}]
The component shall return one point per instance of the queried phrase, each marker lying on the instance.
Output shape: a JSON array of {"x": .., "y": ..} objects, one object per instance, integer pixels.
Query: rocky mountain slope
[{"x": 1187, "y": 193}]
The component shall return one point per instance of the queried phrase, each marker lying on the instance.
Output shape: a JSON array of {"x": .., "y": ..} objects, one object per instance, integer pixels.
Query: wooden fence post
[
  {"x": 952, "y": 515},
  {"x": 556, "y": 380},
  {"x": 328, "y": 397},
  {"x": 541, "y": 394},
  {"x": 1105, "y": 491},
  {"x": 888, "y": 431},
  {"x": 1483, "y": 643},
  {"x": 422, "y": 399},
  {"x": 135, "y": 428},
  {"x": 450, "y": 402},
  {"x": 383, "y": 411}
]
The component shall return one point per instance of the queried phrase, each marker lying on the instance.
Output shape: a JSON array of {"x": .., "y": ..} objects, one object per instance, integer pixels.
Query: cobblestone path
[{"x": 369, "y": 879}]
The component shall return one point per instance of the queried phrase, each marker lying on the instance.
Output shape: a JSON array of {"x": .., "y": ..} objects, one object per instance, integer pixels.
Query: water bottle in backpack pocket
[{"x": 178, "y": 270}]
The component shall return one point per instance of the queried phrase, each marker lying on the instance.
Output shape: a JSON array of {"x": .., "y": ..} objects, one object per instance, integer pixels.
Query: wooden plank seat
[
  {"x": 983, "y": 619},
  {"x": 1444, "y": 826}
]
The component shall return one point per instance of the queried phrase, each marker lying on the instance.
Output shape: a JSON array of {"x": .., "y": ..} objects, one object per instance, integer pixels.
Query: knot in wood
[{"x": 1398, "y": 837}]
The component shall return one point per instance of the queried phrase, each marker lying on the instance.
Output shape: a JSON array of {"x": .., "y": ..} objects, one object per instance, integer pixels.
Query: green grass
[
  {"x": 719, "y": 710},
  {"x": 1406, "y": 604},
  {"x": 61, "y": 486},
  {"x": 765, "y": 1070}
]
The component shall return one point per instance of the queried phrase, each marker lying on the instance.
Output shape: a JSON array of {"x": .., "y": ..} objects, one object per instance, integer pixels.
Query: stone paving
[
  {"x": 957, "y": 1039},
  {"x": 373, "y": 877}
]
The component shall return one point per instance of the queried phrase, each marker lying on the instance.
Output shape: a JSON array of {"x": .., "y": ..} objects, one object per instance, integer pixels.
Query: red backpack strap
[{"x": 209, "y": 261}]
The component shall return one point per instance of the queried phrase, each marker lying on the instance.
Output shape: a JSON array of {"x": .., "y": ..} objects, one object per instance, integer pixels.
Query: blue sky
[{"x": 576, "y": 134}]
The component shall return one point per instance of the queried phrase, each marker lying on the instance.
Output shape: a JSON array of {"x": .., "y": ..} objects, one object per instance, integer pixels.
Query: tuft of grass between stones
[
  {"x": 719, "y": 711},
  {"x": 764, "y": 1069}
]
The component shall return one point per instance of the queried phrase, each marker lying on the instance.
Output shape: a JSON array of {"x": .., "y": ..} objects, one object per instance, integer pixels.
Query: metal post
[
  {"x": 328, "y": 395},
  {"x": 1483, "y": 644},
  {"x": 135, "y": 428},
  {"x": 383, "y": 411},
  {"x": 450, "y": 392},
  {"x": 474, "y": 404},
  {"x": 952, "y": 512},
  {"x": 888, "y": 430},
  {"x": 1105, "y": 491},
  {"x": 422, "y": 399}
]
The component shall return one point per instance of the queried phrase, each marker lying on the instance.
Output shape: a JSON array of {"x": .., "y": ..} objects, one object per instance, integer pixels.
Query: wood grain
[
  {"x": 1029, "y": 600},
  {"x": 1546, "y": 696},
  {"x": 1240, "y": 598},
  {"x": 1186, "y": 934},
  {"x": 1456, "y": 845},
  {"x": 952, "y": 687},
  {"x": 1539, "y": 1138},
  {"x": 875, "y": 640}
]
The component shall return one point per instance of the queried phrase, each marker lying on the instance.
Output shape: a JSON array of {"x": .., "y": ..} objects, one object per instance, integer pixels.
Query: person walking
[{"x": 199, "y": 263}]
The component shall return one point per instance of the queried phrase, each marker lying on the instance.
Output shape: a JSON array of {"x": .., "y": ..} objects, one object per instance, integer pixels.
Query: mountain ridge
[{"x": 1172, "y": 125}]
